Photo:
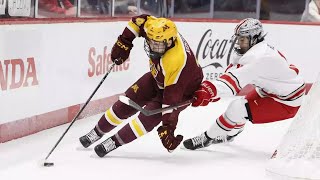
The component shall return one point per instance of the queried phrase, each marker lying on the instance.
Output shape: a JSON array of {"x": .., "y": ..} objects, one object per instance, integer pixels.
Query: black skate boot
[
  {"x": 231, "y": 138},
  {"x": 89, "y": 138},
  {"x": 105, "y": 147},
  {"x": 202, "y": 141}
]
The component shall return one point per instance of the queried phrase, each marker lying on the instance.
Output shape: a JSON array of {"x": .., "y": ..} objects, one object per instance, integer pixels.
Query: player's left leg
[{"x": 136, "y": 128}]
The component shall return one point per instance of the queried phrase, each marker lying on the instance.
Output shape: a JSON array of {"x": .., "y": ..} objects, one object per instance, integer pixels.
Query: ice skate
[
  {"x": 202, "y": 141},
  {"x": 105, "y": 147},
  {"x": 89, "y": 138}
]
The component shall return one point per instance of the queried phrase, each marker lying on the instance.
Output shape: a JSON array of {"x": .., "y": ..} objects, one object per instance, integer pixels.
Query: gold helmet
[
  {"x": 161, "y": 34},
  {"x": 160, "y": 29}
]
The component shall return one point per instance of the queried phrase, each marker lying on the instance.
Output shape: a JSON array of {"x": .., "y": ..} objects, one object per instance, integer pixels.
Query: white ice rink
[{"x": 144, "y": 159}]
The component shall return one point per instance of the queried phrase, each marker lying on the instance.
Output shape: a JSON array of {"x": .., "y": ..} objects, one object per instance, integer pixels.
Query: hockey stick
[
  {"x": 146, "y": 112},
  {"x": 47, "y": 164}
]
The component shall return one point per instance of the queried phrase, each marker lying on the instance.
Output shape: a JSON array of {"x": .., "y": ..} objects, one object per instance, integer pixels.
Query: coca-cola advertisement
[{"x": 214, "y": 54}]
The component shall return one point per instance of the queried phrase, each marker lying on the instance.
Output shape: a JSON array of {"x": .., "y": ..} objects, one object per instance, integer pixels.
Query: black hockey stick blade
[{"x": 146, "y": 112}]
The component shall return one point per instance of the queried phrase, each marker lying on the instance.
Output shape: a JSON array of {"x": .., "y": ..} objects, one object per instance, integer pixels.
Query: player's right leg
[{"x": 141, "y": 92}]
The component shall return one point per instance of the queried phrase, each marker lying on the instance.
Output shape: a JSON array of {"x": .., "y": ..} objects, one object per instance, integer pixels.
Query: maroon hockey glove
[
  {"x": 206, "y": 93},
  {"x": 169, "y": 141},
  {"x": 121, "y": 50}
]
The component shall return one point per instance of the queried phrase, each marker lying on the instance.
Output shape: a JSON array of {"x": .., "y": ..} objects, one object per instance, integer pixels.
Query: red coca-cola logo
[
  {"x": 18, "y": 73},
  {"x": 99, "y": 63}
]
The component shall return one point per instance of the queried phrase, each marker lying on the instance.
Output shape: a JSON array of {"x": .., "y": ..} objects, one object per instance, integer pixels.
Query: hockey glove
[
  {"x": 206, "y": 93},
  {"x": 121, "y": 50},
  {"x": 169, "y": 141}
]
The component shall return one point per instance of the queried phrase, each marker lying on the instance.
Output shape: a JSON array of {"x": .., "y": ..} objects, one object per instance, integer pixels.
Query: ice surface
[{"x": 145, "y": 158}]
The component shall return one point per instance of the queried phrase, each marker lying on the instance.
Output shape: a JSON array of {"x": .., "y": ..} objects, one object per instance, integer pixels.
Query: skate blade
[
  {"x": 186, "y": 149},
  {"x": 81, "y": 148}
]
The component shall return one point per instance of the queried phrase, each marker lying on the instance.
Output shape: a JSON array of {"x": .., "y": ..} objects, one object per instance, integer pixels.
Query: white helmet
[{"x": 251, "y": 28}]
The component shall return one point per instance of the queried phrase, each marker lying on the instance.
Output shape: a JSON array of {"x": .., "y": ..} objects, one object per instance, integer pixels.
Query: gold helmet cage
[{"x": 161, "y": 34}]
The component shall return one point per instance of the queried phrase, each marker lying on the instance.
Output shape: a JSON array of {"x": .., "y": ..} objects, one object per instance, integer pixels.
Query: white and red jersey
[{"x": 268, "y": 70}]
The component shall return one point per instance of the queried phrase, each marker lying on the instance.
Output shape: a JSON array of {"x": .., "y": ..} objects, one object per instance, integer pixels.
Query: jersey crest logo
[{"x": 135, "y": 88}]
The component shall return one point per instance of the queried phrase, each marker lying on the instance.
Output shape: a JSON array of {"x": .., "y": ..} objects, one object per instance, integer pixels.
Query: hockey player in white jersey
[{"x": 278, "y": 93}]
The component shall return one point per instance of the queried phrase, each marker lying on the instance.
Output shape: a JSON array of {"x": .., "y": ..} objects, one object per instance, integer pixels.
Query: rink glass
[{"x": 286, "y": 10}]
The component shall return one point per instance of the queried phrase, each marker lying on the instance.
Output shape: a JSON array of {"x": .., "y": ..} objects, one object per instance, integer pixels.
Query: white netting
[{"x": 298, "y": 155}]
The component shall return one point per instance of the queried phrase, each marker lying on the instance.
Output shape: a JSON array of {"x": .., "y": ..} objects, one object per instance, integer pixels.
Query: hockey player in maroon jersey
[
  {"x": 174, "y": 77},
  {"x": 278, "y": 92}
]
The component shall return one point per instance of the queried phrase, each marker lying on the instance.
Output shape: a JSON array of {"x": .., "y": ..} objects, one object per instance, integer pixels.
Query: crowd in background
[{"x": 286, "y": 10}]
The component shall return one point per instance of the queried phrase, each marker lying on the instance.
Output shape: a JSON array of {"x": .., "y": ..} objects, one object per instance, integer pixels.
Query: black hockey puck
[{"x": 48, "y": 164}]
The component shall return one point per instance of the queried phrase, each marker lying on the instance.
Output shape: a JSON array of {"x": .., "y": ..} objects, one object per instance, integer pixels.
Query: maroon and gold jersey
[{"x": 177, "y": 72}]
